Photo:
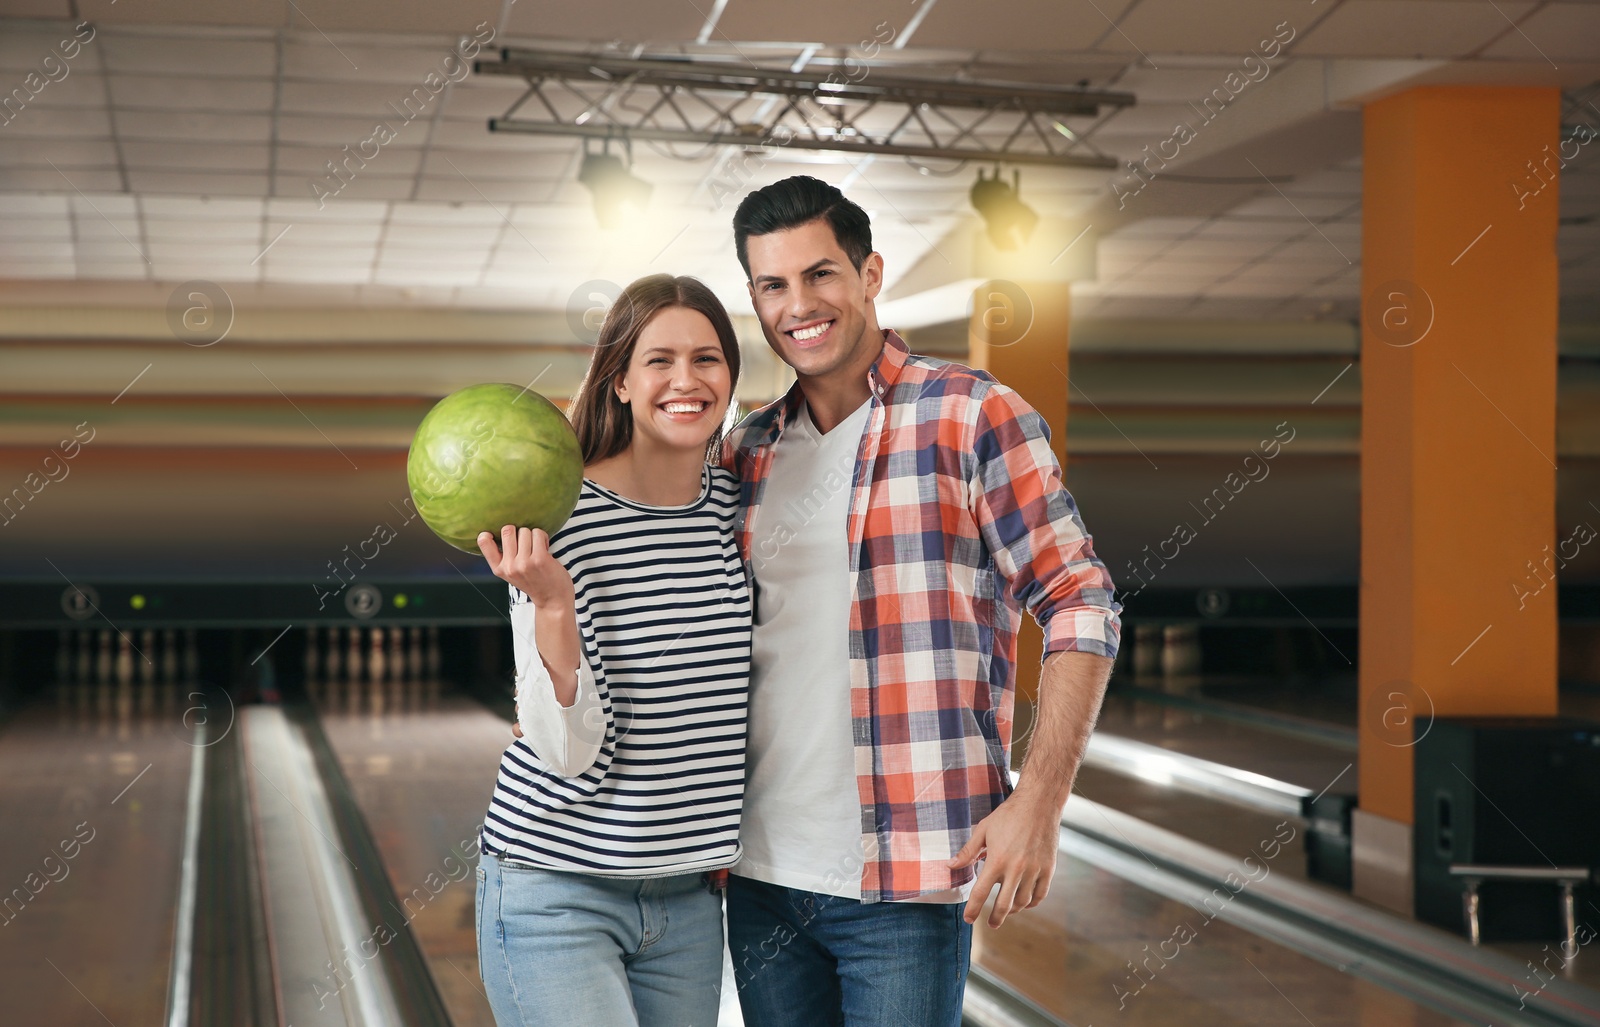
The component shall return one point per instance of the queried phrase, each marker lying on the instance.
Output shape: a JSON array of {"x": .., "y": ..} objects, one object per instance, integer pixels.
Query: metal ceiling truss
[{"x": 861, "y": 107}]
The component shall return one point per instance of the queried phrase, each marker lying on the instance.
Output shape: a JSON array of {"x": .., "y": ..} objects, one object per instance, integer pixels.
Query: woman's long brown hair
[{"x": 603, "y": 422}]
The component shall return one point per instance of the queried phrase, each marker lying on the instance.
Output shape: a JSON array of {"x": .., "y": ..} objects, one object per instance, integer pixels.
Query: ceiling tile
[
  {"x": 167, "y": 93},
  {"x": 92, "y": 270},
  {"x": 402, "y": 67},
  {"x": 197, "y": 209},
  {"x": 43, "y": 229},
  {"x": 46, "y": 180},
  {"x": 1224, "y": 27},
  {"x": 196, "y": 156},
  {"x": 494, "y": 190},
  {"x": 450, "y": 20},
  {"x": 449, "y": 215},
  {"x": 324, "y": 236},
  {"x": 335, "y": 252},
  {"x": 221, "y": 255},
  {"x": 442, "y": 239},
  {"x": 605, "y": 20},
  {"x": 35, "y": 123},
  {"x": 192, "y": 232},
  {"x": 1561, "y": 32},
  {"x": 36, "y": 9},
  {"x": 66, "y": 154},
  {"x": 1410, "y": 28},
  {"x": 78, "y": 89},
  {"x": 498, "y": 164},
  {"x": 296, "y": 209},
  {"x": 1018, "y": 25},
  {"x": 194, "y": 126},
  {"x": 337, "y": 132},
  {"x": 45, "y": 250},
  {"x": 196, "y": 183},
  {"x": 144, "y": 54},
  {"x": 1272, "y": 205},
  {"x": 269, "y": 13}
]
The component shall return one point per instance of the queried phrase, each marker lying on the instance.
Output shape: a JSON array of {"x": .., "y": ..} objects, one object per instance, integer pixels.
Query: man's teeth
[
  {"x": 684, "y": 408},
  {"x": 812, "y": 332}
]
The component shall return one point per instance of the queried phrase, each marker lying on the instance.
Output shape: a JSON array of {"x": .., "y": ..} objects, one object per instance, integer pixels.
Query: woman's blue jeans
[{"x": 558, "y": 949}]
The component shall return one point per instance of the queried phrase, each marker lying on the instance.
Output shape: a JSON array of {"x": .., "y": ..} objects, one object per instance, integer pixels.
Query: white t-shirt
[{"x": 802, "y": 811}]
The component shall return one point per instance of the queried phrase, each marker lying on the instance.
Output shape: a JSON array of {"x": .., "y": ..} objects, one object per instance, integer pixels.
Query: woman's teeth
[
  {"x": 684, "y": 408},
  {"x": 804, "y": 334}
]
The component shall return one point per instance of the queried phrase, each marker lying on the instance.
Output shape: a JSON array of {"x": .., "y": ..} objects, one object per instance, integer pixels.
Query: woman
[{"x": 616, "y": 813}]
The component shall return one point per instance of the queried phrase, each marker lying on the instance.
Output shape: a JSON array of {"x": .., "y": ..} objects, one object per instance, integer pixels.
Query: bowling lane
[
  {"x": 422, "y": 768},
  {"x": 1233, "y": 829},
  {"x": 1100, "y": 950},
  {"x": 1295, "y": 759},
  {"x": 93, "y": 783}
]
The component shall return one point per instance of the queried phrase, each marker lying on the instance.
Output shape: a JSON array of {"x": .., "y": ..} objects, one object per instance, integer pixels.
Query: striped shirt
[
  {"x": 664, "y": 619},
  {"x": 958, "y": 523}
]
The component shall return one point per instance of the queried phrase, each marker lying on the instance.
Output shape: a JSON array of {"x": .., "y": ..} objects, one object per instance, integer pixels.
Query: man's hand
[{"x": 1018, "y": 844}]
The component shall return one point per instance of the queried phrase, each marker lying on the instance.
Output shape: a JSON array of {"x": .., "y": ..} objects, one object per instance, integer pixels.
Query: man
[{"x": 898, "y": 513}]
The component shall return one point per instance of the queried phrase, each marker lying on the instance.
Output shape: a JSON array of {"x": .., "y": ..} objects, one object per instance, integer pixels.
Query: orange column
[
  {"x": 1458, "y": 364},
  {"x": 1018, "y": 332}
]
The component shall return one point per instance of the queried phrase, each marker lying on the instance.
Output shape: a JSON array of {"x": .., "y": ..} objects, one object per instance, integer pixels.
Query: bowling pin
[
  {"x": 124, "y": 672},
  {"x": 102, "y": 664},
  {"x": 124, "y": 660},
  {"x": 169, "y": 656},
  {"x": 397, "y": 653},
  {"x": 330, "y": 660},
  {"x": 85, "y": 656},
  {"x": 353, "y": 671},
  {"x": 63, "y": 687},
  {"x": 63, "y": 656},
  {"x": 414, "y": 653},
  {"x": 312, "y": 663},
  {"x": 147, "y": 673},
  {"x": 375, "y": 657},
  {"x": 147, "y": 663},
  {"x": 191, "y": 657}
]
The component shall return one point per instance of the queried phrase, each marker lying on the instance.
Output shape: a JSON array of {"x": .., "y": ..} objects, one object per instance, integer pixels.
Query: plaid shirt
[{"x": 958, "y": 521}]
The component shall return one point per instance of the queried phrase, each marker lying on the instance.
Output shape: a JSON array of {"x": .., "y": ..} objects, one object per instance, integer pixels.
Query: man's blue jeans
[
  {"x": 812, "y": 960},
  {"x": 561, "y": 949}
]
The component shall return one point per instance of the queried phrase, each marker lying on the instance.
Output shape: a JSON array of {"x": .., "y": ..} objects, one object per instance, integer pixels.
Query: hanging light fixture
[
  {"x": 617, "y": 193},
  {"x": 1009, "y": 220}
]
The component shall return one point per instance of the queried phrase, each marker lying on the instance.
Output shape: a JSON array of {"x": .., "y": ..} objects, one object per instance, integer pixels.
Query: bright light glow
[{"x": 1155, "y": 769}]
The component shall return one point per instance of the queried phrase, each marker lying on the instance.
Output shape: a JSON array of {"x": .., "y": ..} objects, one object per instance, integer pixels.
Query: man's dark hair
[{"x": 798, "y": 201}]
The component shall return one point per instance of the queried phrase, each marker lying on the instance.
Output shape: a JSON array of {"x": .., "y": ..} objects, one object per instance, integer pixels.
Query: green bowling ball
[{"x": 491, "y": 455}]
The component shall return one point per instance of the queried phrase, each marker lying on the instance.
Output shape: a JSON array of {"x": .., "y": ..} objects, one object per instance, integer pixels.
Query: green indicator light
[
  {"x": 418, "y": 600},
  {"x": 400, "y": 601},
  {"x": 137, "y": 602}
]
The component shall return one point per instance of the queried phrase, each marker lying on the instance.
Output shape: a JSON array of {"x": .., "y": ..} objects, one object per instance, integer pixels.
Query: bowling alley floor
[
  {"x": 421, "y": 764},
  {"x": 93, "y": 806},
  {"x": 1293, "y": 759},
  {"x": 423, "y": 775},
  {"x": 422, "y": 767}
]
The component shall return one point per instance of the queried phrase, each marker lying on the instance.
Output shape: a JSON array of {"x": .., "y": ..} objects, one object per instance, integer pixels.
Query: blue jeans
[
  {"x": 557, "y": 949},
  {"x": 810, "y": 960}
]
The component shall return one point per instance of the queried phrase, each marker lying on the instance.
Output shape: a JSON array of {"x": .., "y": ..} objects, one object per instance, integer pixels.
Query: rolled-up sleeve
[
  {"x": 1031, "y": 526},
  {"x": 566, "y": 738}
]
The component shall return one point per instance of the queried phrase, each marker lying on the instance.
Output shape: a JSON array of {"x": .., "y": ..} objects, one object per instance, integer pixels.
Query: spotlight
[
  {"x": 1010, "y": 221},
  {"x": 615, "y": 190}
]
